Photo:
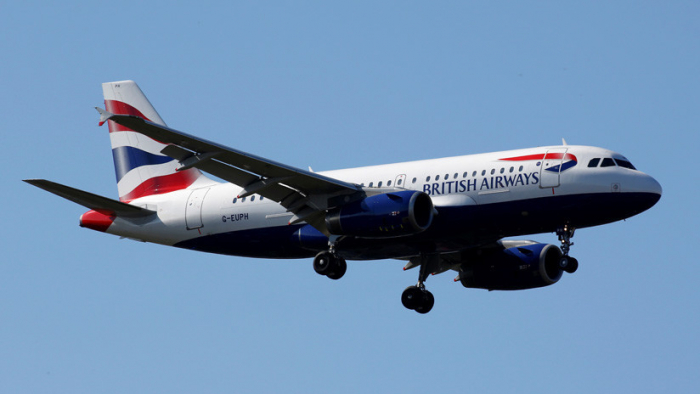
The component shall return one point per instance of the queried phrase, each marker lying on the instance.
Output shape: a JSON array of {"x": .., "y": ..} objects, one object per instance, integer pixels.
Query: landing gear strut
[
  {"x": 417, "y": 297},
  {"x": 329, "y": 263},
  {"x": 567, "y": 263}
]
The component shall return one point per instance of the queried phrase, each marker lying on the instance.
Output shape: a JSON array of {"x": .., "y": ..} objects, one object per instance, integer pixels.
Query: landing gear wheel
[
  {"x": 330, "y": 265},
  {"x": 339, "y": 270},
  {"x": 568, "y": 264},
  {"x": 323, "y": 263},
  {"x": 417, "y": 299},
  {"x": 572, "y": 266},
  {"x": 426, "y": 303},
  {"x": 411, "y": 297}
]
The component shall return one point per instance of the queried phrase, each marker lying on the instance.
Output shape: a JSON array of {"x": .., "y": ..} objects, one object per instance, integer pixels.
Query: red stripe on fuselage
[
  {"x": 163, "y": 184},
  {"x": 541, "y": 156}
]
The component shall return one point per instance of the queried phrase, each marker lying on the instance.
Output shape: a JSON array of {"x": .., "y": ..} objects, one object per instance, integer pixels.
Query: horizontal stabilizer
[{"x": 91, "y": 201}]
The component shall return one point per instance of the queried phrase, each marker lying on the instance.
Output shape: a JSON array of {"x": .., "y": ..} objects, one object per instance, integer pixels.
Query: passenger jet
[{"x": 438, "y": 215}]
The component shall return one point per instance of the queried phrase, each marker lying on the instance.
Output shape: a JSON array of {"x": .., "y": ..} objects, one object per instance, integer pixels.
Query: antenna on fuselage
[{"x": 563, "y": 142}]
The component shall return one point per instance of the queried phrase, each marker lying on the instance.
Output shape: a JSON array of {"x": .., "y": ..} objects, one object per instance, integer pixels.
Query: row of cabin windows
[
  {"x": 252, "y": 198},
  {"x": 610, "y": 162},
  {"x": 466, "y": 173},
  {"x": 447, "y": 176}
]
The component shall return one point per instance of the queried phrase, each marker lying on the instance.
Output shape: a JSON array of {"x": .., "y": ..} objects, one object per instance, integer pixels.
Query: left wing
[
  {"x": 91, "y": 201},
  {"x": 306, "y": 194}
]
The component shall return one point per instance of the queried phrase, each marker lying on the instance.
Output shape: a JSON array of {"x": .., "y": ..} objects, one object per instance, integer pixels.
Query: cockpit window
[
  {"x": 608, "y": 162},
  {"x": 594, "y": 162},
  {"x": 624, "y": 164}
]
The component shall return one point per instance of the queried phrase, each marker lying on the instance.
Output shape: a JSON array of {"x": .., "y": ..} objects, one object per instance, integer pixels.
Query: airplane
[{"x": 438, "y": 215}]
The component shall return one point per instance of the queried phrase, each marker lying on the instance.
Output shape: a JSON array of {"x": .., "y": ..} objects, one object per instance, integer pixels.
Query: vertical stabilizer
[{"x": 140, "y": 167}]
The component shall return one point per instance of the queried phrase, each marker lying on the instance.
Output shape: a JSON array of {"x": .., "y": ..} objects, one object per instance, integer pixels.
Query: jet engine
[
  {"x": 383, "y": 215},
  {"x": 525, "y": 266}
]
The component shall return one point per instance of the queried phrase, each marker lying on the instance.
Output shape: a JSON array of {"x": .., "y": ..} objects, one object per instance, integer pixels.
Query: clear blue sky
[{"x": 335, "y": 85}]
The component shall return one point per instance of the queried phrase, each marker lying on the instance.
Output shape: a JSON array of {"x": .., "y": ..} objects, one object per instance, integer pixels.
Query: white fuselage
[{"x": 516, "y": 188}]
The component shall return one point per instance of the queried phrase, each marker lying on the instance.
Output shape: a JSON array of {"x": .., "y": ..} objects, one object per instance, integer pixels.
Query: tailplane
[{"x": 141, "y": 169}]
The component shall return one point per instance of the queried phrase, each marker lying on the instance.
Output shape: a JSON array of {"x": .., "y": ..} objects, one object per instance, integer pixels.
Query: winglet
[{"x": 104, "y": 115}]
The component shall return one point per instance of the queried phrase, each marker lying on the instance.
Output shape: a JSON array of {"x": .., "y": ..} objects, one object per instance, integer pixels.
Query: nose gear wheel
[{"x": 567, "y": 263}]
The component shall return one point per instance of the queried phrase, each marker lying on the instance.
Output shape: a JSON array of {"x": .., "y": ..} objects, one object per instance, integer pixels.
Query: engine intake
[
  {"x": 523, "y": 267},
  {"x": 385, "y": 215}
]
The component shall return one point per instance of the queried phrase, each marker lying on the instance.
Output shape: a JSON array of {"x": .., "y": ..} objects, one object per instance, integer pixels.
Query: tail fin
[{"x": 140, "y": 167}]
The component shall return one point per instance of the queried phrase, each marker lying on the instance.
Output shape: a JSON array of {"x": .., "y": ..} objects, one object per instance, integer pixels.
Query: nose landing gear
[{"x": 567, "y": 263}]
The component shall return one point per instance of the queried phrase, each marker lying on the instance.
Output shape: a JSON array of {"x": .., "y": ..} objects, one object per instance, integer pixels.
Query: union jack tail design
[{"x": 140, "y": 167}]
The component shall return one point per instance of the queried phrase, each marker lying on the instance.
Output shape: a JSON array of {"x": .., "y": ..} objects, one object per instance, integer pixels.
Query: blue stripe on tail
[{"x": 126, "y": 158}]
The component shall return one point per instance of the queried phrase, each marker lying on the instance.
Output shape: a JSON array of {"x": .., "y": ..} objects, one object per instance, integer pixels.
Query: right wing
[{"x": 306, "y": 194}]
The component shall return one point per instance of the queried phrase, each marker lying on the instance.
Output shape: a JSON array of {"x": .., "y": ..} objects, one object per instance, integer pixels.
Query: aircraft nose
[
  {"x": 647, "y": 191},
  {"x": 649, "y": 185}
]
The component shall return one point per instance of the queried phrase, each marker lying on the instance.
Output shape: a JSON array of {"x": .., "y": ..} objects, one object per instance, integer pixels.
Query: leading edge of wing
[{"x": 297, "y": 178}]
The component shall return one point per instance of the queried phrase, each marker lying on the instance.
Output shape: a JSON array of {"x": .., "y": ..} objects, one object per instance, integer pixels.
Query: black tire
[
  {"x": 572, "y": 266},
  {"x": 411, "y": 297},
  {"x": 564, "y": 262},
  {"x": 324, "y": 263},
  {"x": 427, "y": 303},
  {"x": 339, "y": 268}
]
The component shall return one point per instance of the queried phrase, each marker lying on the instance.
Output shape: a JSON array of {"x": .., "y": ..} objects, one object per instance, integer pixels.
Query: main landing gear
[
  {"x": 330, "y": 264},
  {"x": 417, "y": 297},
  {"x": 567, "y": 263}
]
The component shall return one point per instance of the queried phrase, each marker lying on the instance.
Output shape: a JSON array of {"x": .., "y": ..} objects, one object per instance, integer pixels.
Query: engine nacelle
[
  {"x": 516, "y": 268},
  {"x": 383, "y": 215}
]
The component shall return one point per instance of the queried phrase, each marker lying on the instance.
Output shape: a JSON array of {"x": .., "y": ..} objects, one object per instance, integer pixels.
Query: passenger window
[
  {"x": 503, "y": 170},
  {"x": 493, "y": 171},
  {"x": 399, "y": 182},
  {"x": 520, "y": 169},
  {"x": 456, "y": 175},
  {"x": 427, "y": 179},
  {"x": 594, "y": 162},
  {"x": 414, "y": 180},
  {"x": 464, "y": 175},
  {"x": 371, "y": 184},
  {"x": 437, "y": 177},
  {"x": 447, "y": 176},
  {"x": 511, "y": 169},
  {"x": 243, "y": 199},
  {"x": 388, "y": 183},
  {"x": 608, "y": 162},
  {"x": 474, "y": 174},
  {"x": 234, "y": 200},
  {"x": 261, "y": 198},
  {"x": 252, "y": 198},
  {"x": 483, "y": 172},
  {"x": 379, "y": 184}
]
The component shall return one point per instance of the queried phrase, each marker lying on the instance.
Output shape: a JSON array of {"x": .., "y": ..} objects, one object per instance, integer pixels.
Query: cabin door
[
  {"x": 551, "y": 166},
  {"x": 193, "y": 211}
]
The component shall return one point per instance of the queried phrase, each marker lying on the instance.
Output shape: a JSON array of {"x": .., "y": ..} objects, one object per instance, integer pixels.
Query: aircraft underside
[{"x": 454, "y": 229}]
